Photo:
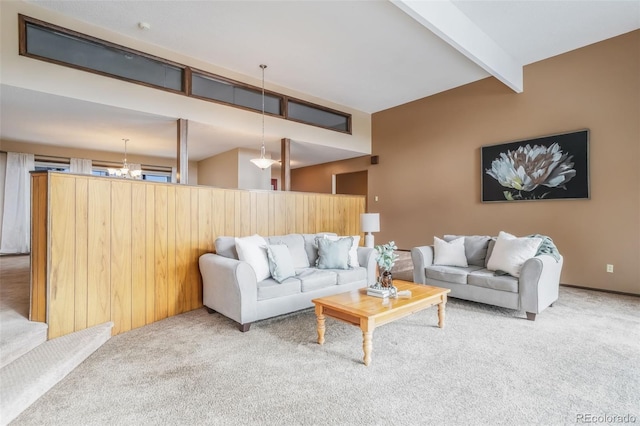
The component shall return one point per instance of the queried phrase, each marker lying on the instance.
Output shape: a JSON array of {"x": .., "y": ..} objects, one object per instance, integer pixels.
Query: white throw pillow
[
  {"x": 449, "y": 253},
  {"x": 253, "y": 250},
  {"x": 509, "y": 253},
  {"x": 353, "y": 251}
]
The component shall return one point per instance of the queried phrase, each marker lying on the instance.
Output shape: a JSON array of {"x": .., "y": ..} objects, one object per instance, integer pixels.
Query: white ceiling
[{"x": 366, "y": 55}]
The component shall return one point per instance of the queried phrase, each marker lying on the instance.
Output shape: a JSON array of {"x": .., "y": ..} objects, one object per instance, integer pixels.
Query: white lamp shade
[{"x": 370, "y": 222}]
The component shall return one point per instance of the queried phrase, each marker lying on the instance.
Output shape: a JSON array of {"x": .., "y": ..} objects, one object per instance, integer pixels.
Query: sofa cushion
[
  {"x": 280, "y": 262},
  {"x": 353, "y": 251},
  {"x": 295, "y": 243},
  {"x": 253, "y": 250},
  {"x": 490, "y": 246},
  {"x": 313, "y": 279},
  {"x": 510, "y": 253},
  {"x": 452, "y": 274},
  {"x": 310, "y": 246},
  {"x": 449, "y": 253},
  {"x": 475, "y": 247},
  {"x": 271, "y": 289},
  {"x": 348, "y": 276},
  {"x": 486, "y": 278},
  {"x": 333, "y": 254},
  {"x": 226, "y": 247}
]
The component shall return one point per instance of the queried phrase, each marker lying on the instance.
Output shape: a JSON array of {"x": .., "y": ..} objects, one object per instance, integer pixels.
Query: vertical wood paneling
[
  {"x": 127, "y": 251},
  {"x": 138, "y": 255},
  {"x": 262, "y": 216},
  {"x": 171, "y": 252},
  {"x": 161, "y": 262},
  {"x": 312, "y": 215},
  {"x": 280, "y": 213},
  {"x": 39, "y": 242},
  {"x": 205, "y": 240},
  {"x": 290, "y": 224},
  {"x": 218, "y": 212},
  {"x": 150, "y": 244},
  {"x": 121, "y": 256},
  {"x": 61, "y": 315},
  {"x": 195, "y": 287},
  {"x": 183, "y": 246},
  {"x": 299, "y": 221},
  {"x": 242, "y": 214},
  {"x": 99, "y": 252},
  {"x": 81, "y": 261},
  {"x": 229, "y": 212},
  {"x": 254, "y": 213},
  {"x": 271, "y": 214}
]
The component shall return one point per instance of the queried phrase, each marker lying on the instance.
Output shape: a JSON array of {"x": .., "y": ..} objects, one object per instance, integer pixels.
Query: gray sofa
[
  {"x": 534, "y": 290},
  {"x": 231, "y": 288}
]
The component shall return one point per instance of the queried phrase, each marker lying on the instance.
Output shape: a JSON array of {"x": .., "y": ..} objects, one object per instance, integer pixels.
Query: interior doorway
[{"x": 355, "y": 183}]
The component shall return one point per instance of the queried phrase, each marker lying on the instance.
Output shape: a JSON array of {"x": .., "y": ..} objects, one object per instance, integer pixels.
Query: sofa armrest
[
  {"x": 539, "y": 283},
  {"x": 422, "y": 257},
  {"x": 229, "y": 287},
  {"x": 367, "y": 258}
]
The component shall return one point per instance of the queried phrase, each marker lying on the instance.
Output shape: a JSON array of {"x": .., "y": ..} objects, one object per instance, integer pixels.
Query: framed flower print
[{"x": 544, "y": 168}]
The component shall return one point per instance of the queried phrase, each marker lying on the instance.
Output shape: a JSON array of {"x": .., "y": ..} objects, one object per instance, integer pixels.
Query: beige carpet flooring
[{"x": 488, "y": 366}]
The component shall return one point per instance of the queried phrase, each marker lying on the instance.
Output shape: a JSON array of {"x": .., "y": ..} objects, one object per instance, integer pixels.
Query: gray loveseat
[
  {"x": 230, "y": 286},
  {"x": 535, "y": 289}
]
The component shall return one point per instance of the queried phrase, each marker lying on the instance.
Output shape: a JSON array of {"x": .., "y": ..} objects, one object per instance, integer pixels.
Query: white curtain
[
  {"x": 174, "y": 175},
  {"x": 81, "y": 166},
  {"x": 16, "y": 216}
]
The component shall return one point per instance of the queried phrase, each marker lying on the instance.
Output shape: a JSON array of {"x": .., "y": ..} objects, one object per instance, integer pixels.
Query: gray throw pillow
[
  {"x": 226, "y": 246},
  {"x": 333, "y": 254},
  {"x": 280, "y": 262},
  {"x": 475, "y": 248}
]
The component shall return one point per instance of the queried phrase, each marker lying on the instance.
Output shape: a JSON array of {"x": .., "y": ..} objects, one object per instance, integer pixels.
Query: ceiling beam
[{"x": 446, "y": 21}]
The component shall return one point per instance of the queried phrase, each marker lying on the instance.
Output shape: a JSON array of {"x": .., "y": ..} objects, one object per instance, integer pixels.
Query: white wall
[
  {"x": 220, "y": 170},
  {"x": 3, "y": 172},
  {"x": 234, "y": 169},
  {"x": 249, "y": 175}
]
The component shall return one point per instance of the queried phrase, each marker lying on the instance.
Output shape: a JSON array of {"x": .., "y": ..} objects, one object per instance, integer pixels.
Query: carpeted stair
[{"x": 30, "y": 372}]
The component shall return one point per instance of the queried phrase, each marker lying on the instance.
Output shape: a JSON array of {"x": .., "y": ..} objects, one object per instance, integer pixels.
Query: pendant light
[
  {"x": 263, "y": 162},
  {"x": 129, "y": 171}
]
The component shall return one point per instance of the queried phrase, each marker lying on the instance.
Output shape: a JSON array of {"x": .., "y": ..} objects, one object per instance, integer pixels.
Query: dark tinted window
[{"x": 79, "y": 52}]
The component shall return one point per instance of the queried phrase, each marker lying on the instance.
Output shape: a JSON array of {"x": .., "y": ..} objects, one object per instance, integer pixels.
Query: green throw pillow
[
  {"x": 333, "y": 254},
  {"x": 280, "y": 262}
]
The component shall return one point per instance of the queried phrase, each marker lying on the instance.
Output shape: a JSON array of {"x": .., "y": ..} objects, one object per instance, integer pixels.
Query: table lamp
[{"x": 369, "y": 222}]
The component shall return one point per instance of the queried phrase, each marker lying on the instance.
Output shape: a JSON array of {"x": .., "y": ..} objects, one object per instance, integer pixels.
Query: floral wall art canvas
[{"x": 545, "y": 168}]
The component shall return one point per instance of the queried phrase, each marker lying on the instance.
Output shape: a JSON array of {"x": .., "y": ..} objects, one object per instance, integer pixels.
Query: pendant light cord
[{"x": 262, "y": 149}]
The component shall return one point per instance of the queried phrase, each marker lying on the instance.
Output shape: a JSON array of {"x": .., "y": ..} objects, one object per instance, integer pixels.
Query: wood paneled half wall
[{"x": 110, "y": 249}]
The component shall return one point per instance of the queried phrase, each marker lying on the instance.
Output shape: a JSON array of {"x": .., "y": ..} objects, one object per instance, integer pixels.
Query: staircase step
[
  {"x": 29, "y": 377},
  {"x": 18, "y": 338}
]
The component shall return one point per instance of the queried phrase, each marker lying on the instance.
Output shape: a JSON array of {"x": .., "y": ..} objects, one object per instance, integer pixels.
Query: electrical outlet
[
  {"x": 610, "y": 268},
  {"x": 376, "y": 198}
]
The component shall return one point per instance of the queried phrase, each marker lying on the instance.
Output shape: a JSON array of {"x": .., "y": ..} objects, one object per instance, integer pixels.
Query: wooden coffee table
[{"x": 368, "y": 312}]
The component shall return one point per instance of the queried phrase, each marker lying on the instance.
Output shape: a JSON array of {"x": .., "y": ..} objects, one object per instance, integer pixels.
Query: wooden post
[
  {"x": 285, "y": 167},
  {"x": 183, "y": 156}
]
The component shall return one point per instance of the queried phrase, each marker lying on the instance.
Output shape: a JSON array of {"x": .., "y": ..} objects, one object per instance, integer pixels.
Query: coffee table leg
[
  {"x": 367, "y": 345},
  {"x": 441, "y": 311},
  {"x": 321, "y": 327}
]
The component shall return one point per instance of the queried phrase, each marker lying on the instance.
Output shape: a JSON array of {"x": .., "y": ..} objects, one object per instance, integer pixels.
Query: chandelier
[
  {"x": 127, "y": 171},
  {"x": 263, "y": 162}
]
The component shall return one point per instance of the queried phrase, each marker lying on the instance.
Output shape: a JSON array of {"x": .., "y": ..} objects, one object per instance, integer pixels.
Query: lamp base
[{"x": 369, "y": 240}]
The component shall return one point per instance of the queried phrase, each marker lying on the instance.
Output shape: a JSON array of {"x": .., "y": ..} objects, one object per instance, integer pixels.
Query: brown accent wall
[
  {"x": 428, "y": 179},
  {"x": 318, "y": 178},
  {"x": 354, "y": 183}
]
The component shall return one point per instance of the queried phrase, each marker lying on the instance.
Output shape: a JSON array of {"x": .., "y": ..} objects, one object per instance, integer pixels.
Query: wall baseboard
[{"x": 602, "y": 290}]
